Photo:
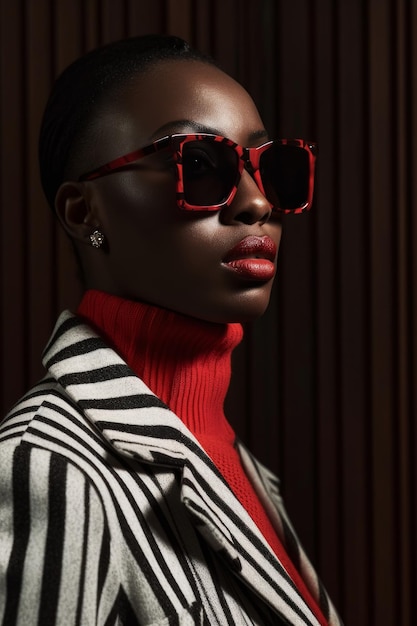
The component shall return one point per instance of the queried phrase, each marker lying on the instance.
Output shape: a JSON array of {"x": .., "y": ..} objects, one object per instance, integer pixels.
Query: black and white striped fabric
[{"x": 112, "y": 514}]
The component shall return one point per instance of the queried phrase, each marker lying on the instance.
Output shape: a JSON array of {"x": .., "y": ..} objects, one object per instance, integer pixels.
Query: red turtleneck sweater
[{"x": 187, "y": 363}]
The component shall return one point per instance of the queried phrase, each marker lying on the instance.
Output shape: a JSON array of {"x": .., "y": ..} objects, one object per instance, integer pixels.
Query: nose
[{"x": 249, "y": 206}]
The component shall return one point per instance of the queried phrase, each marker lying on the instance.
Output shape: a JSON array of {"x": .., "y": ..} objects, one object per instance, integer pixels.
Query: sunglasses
[{"x": 209, "y": 167}]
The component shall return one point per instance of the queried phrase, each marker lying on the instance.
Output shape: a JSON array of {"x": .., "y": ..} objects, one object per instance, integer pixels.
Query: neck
[{"x": 186, "y": 362}]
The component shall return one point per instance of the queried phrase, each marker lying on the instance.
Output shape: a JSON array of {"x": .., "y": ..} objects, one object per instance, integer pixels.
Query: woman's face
[{"x": 200, "y": 264}]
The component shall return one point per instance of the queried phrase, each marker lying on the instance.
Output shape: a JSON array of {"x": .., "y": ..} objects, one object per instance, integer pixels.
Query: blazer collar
[{"x": 138, "y": 425}]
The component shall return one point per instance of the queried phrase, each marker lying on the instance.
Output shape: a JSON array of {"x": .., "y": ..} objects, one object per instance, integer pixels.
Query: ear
[{"x": 74, "y": 211}]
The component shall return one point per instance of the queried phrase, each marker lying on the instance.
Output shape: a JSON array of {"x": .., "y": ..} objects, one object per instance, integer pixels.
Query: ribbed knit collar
[{"x": 186, "y": 362}]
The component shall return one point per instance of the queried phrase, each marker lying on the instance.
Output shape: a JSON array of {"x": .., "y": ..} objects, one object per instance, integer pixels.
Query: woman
[{"x": 124, "y": 495}]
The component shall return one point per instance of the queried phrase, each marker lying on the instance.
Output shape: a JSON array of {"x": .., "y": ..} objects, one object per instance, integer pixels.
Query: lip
[{"x": 253, "y": 258}]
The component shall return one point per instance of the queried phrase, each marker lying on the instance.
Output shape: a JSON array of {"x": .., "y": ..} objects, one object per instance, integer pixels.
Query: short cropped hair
[{"x": 86, "y": 85}]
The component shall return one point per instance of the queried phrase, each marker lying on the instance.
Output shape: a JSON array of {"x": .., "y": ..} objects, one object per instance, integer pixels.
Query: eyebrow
[{"x": 180, "y": 125}]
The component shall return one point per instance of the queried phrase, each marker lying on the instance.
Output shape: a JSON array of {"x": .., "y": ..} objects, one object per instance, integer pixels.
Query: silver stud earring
[{"x": 97, "y": 239}]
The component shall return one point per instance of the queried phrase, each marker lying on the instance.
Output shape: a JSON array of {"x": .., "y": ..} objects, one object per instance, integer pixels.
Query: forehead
[{"x": 161, "y": 100}]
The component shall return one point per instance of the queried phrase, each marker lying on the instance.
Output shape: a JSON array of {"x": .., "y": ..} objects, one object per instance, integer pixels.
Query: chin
[{"x": 246, "y": 308}]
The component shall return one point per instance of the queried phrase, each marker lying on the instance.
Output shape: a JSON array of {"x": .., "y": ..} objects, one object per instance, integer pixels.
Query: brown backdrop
[{"x": 324, "y": 388}]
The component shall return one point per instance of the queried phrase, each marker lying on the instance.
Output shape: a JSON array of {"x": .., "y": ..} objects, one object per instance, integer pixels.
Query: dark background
[{"x": 324, "y": 389}]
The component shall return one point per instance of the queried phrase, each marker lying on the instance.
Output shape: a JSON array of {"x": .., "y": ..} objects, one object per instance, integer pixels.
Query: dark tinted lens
[
  {"x": 285, "y": 174},
  {"x": 210, "y": 170}
]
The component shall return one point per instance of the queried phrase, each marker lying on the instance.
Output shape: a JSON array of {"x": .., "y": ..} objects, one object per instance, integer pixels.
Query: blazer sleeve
[{"x": 55, "y": 558}]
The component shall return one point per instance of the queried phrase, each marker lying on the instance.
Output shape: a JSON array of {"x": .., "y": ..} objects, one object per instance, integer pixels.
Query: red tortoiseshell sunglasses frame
[{"x": 248, "y": 158}]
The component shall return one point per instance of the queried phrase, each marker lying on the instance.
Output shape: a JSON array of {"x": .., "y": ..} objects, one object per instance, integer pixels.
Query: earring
[{"x": 97, "y": 239}]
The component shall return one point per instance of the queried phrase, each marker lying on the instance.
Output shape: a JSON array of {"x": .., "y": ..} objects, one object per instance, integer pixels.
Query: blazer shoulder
[
  {"x": 21, "y": 414},
  {"x": 46, "y": 417}
]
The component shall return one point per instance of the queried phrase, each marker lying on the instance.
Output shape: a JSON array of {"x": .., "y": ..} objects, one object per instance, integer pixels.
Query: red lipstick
[{"x": 253, "y": 258}]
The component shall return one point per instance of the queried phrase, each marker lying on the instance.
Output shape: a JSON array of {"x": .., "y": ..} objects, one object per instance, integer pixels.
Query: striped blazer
[{"x": 111, "y": 513}]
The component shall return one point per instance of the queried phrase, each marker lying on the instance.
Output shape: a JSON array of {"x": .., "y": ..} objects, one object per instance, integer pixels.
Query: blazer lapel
[
  {"x": 266, "y": 485},
  {"x": 136, "y": 423}
]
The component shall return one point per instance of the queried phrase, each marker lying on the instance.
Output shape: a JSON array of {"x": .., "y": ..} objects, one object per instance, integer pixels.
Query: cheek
[
  {"x": 144, "y": 227},
  {"x": 135, "y": 203}
]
